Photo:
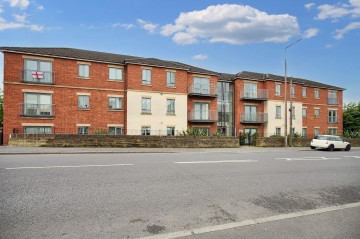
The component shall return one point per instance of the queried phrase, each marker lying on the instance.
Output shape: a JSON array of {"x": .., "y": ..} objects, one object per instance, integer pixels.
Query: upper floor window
[
  {"x": 332, "y": 98},
  {"x": 83, "y": 101},
  {"x": 146, "y": 77},
  {"x": 293, "y": 112},
  {"x": 317, "y": 93},
  {"x": 293, "y": 91},
  {"x": 201, "y": 85},
  {"x": 304, "y": 112},
  {"x": 277, "y": 89},
  {"x": 146, "y": 105},
  {"x": 115, "y": 103},
  {"x": 84, "y": 71},
  {"x": 38, "y": 71},
  {"x": 304, "y": 92},
  {"x": 250, "y": 90},
  {"x": 317, "y": 113},
  {"x": 278, "y": 112},
  {"x": 332, "y": 117},
  {"x": 170, "y": 103},
  {"x": 170, "y": 79},
  {"x": 38, "y": 104},
  {"x": 115, "y": 74}
]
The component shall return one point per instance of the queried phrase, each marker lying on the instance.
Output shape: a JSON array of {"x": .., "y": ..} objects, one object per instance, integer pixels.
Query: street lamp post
[{"x": 286, "y": 106}]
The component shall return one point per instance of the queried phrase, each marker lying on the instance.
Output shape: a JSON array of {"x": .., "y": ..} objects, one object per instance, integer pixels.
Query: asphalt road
[{"x": 139, "y": 195}]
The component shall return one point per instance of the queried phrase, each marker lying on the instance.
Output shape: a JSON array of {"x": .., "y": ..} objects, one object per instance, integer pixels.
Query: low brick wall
[{"x": 122, "y": 141}]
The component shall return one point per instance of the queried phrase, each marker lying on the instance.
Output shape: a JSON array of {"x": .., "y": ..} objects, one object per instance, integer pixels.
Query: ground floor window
[
  {"x": 202, "y": 130},
  {"x": 83, "y": 130},
  {"x": 115, "y": 131},
  {"x": 278, "y": 131},
  {"x": 316, "y": 131},
  {"x": 333, "y": 131},
  {"x": 145, "y": 130},
  {"x": 170, "y": 131},
  {"x": 304, "y": 132},
  {"x": 38, "y": 130}
]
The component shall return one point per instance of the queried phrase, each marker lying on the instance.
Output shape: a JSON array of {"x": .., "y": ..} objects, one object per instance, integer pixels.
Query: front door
[{"x": 249, "y": 133}]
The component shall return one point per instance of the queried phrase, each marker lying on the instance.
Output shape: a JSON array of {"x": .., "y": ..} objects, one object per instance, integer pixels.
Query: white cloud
[
  {"x": 22, "y": 4},
  {"x": 20, "y": 18},
  {"x": 36, "y": 28},
  {"x": 4, "y": 25},
  {"x": 148, "y": 26},
  {"x": 336, "y": 11},
  {"x": 341, "y": 32},
  {"x": 308, "y": 6},
  {"x": 200, "y": 57},
  {"x": 231, "y": 23},
  {"x": 123, "y": 25},
  {"x": 87, "y": 26},
  {"x": 40, "y": 7},
  {"x": 328, "y": 46},
  {"x": 311, "y": 32}
]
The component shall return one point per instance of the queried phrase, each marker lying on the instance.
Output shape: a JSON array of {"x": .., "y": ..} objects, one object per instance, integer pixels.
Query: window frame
[
  {"x": 170, "y": 78},
  {"x": 116, "y": 75},
  {"x": 145, "y": 105},
  {"x": 82, "y": 72},
  {"x": 172, "y": 131},
  {"x": 146, "y": 76},
  {"x": 145, "y": 130},
  {"x": 83, "y": 130},
  {"x": 116, "y": 98},
  {"x": 277, "y": 116},
  {"x": 117, "y": 130},
  {"x": 81, "y": 106},
  {"x": 277, "y": 93},
  {"x": 170, "y": 106},
  {"x": 304, "y": 92}
]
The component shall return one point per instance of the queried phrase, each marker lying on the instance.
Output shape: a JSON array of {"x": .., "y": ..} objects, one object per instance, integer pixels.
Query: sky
[{"x": 220, "y": 35}]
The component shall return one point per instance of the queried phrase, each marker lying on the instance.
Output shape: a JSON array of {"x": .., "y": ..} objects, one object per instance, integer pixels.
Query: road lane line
[
  {"x": 249, "y": 222},
  {"x": 72, "y": 166},
  {"x": 222, "y": 161}
]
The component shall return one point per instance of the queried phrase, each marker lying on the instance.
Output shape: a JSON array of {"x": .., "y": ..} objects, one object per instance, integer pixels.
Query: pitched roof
[
  {"x": 155, "y": 62},
  {"x": 264, "y": 77}
]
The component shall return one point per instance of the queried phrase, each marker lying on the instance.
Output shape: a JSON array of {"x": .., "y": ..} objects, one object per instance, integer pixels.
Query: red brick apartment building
[{"x": 72, "y": 91}]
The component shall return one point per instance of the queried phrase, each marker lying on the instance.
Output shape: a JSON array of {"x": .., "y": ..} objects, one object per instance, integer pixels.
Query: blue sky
[{"x": 224, "y": 36}]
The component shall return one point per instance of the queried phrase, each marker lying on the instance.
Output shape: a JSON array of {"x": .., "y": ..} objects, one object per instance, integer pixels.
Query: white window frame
[
  {"x": 146, "y": 105},
  {"x": 115, "y": 74},
  {"x": 170, "y": 78},
  {"x": 304, "y": 92},
  {"x": 84, "y": 70},
  {"x": 146, "y": 76},
  {"x": 83, "y": 105},
  {"x": 118, "y": 103},
  {"x": 170, "y": 106},
  {"x": 115, "y": 130},
  {"x": 278, "y": 112},
  {"x": 278, "y": 89},
  {"x": 304, "y": 112}
]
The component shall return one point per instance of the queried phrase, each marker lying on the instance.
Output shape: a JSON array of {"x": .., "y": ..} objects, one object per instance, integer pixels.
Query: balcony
[
  {"x": 260, "y": 95},
  {"x": 203, "y": 90},
  {"x": 37, "y": 110},
  {"x": 253, "y": 118},
  {"x": 37, "y": 77},
  {"x": 198, "y": 116},
  {"x": 333, "y": 119},
  {"x": 333, "y": 101}
]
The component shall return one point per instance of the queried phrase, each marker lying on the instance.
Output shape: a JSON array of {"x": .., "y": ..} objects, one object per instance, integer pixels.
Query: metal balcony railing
[
  {"x": 333, "y": 101},
  {"x": 260, "y": 94},
  {"x": 333, "y": 119},
  {"x": 37, "y": 110},
  {"x": 203, "y": 116},
  {"x": 37, "y": 77},
  {"x": 254, "y": 118},
  {"x": 208, "y": 90}
]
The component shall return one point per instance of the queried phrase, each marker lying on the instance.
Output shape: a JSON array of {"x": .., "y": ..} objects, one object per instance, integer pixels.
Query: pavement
[{"x": 4, "y": 150}]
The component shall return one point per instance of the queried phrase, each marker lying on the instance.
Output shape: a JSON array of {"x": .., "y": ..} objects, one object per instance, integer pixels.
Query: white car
[{"x": 329, "y": 142}]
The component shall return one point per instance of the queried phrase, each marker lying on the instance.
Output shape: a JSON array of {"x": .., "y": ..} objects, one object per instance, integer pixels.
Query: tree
[{"x": 352, "y": 117}]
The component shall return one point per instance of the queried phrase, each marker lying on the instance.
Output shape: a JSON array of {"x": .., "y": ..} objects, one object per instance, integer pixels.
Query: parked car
[{"x": 329, "y": 142}]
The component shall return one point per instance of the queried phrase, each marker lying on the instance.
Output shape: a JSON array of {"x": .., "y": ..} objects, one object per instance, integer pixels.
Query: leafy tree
[{"x": 352, "y": 117}]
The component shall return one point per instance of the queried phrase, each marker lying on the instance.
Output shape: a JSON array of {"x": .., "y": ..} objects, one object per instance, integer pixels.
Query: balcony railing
[
  {"x": 37, "y": 110},
  {"x": 261, "y": 94},
  {"x": 333, "y": 101},
  {"x": 203, "y": 116},
  {"x": 203, "y": 90},
  {"x": 37, "y": 77},
  {"x": 333, "y": 119},
  {"x": 253, "y": 118}
]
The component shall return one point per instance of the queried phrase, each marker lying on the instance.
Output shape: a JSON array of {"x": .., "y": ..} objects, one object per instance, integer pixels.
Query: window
[
  {"x": 278, "y": 112},
  {"x": 115, "y": 74},
  {"x": 37, "y": 71},
  {"x": 83, "y": 101},
  {"x": 115, "y": 130},
  {"x": 278, "y": 131},
  {"x": 115, "y": 103},
  {"x": 84, "y": 71},
  {"x": 277, "y": 89},
  {"x": 293, "y": 91},
  {"x": 146, "y": 106},
  {"x": 170, "y": 104},
  {"x": 304, "y": 132},
  {"x": 38, "y": 130},
  {"x": 170, "y": 79},
  {"x": 202, "y": 85},
  {"x": 332, "y": 98},
  {"x": 251, "y": 114},
  {"x": 316, "y": 131},
  {"x": 332, "y": 119},
  {"x": 250, "y": 90},
  {"x": 317, "y": 93},
  {"x": 37, "y": 104},
  {"x": 304, "y": 112},
  {"x": 170, "y": 131},
  {"x": 333, "y": 131},
  {"x": 145, "y": 130},
  {"x": 201, "y": 111},
  {"x": 293, "y": 112},
  {"x": 83, "y": 130},
  {"x": 317, "y": 113},
  {"x": 304, "y": 92},
  {"x": 293, "y": 131},
  {"x": 146, "y": 77}
]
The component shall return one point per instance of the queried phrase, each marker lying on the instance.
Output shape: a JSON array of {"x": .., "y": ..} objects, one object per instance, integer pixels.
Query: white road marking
[
  {"x": 223, "y": 161},
  {"x": 358, "y": 157},
  {"x": 249, "y": 222},
  {"x": 306, "y": 158},
  {"x": 72, "y": 166}
]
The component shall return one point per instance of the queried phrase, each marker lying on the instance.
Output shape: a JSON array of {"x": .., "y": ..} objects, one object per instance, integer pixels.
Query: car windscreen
[{"x": 320, "y": 137}]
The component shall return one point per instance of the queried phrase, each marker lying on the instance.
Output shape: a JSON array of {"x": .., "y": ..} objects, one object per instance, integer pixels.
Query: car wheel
[
  {"x": 348, "y": 147},
  {"x": 331, "y": 147},
  {"x": 312, "y": 147}
]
